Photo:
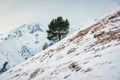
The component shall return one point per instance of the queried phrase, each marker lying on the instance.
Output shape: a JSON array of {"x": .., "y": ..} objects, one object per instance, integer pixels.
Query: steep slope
[
  {"x": 20, "y": 44},
  {"x": 90, "y": 54}
]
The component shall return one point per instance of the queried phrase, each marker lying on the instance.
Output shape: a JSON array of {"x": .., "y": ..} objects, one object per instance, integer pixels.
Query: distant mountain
[
  {"x": 89, "y": 54},
  {"x": 21, "y": 44}
]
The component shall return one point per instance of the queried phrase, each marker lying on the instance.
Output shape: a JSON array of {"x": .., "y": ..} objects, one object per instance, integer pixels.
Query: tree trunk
[{"x": 59, "y": 37}]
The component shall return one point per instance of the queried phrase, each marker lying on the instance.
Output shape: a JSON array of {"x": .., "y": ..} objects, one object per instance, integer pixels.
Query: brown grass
[
  {"x": 77, "y": 41},
  {"x": 71, "y": 50},
  {"x": 98, "y": 35},
  {"x": 74, "y": 66},
  {"x": 104, "y": 37},
  {"x": 96, "y": 27},
  {"x": 111, "y": 35},
  {"x": 34, "y": 73},
  {"x": 61, "y": 47},
  {"x": 47, "y": 54},
  {"x": 118, "y": 13},
  {"x": 51, "y": 50}
]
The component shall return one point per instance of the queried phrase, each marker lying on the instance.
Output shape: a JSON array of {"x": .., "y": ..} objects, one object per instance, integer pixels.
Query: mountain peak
[
  {"x": 21, "y": 44},
  {"x": 32, "y": 27}
]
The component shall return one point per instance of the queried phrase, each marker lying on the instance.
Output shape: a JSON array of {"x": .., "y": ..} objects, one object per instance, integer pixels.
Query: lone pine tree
[{"x": 58, "y": 28}]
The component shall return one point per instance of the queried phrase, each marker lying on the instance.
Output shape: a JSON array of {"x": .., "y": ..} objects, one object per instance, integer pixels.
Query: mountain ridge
[{"x": 21, "y": 44}]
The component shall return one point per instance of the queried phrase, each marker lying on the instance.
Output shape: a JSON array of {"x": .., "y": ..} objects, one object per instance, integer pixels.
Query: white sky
[{"x": 14, "y": 13}]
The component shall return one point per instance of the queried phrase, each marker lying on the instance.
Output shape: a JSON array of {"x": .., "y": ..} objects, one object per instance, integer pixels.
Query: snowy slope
[
  {"x": 90, "y": 54},
  {"x": 20, "y": 44}
]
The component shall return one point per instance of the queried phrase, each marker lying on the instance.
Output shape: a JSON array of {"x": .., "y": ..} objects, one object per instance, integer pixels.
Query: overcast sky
[{"x": 18, "y": 12}]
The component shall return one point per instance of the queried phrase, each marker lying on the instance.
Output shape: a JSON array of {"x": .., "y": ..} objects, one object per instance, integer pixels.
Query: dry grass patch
[
  {"x": 34, "y": 74},
  {"x": 71, "y": 50},
  {"x": 111, "y": 35},
  {"x": 96, "y": 27},
  {"x": 74, "y": 66},
  {"x": 61, "y": 47}
]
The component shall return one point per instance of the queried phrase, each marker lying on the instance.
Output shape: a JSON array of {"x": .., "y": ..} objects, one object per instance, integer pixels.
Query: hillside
[
  {"x": 20, "y": 44},
  {"x": 90, "y": 54}
]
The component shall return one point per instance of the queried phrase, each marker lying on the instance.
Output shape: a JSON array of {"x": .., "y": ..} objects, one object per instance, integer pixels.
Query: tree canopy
[{"x": 58, "y": 28}]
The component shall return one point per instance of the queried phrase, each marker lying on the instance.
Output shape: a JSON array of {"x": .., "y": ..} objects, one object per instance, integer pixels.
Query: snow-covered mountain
[
  {"x": 90, "y": 54},
  {"x": 20, "y": 44}
]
